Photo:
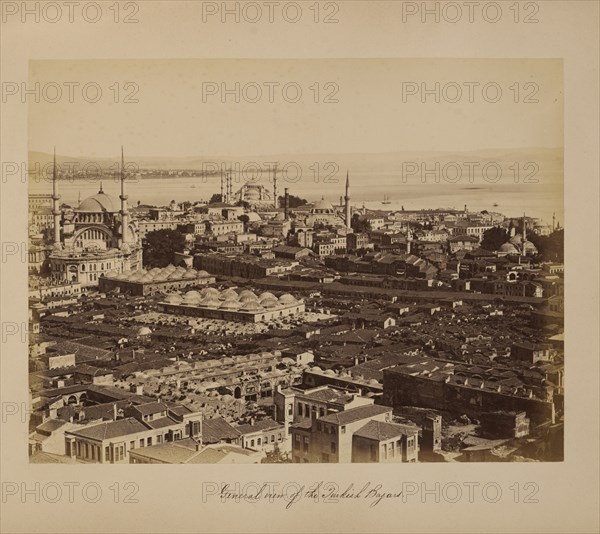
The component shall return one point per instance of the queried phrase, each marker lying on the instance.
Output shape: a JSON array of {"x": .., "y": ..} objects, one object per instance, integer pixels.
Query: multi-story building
[
  {"x": 330, "y": 439},
  {"x": 144, "y": 425}
]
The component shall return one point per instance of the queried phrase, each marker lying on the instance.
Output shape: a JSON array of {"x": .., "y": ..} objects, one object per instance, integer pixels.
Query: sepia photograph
[
  {"x": 228, "y": 270},
  {"x": 304, "y": 267}
]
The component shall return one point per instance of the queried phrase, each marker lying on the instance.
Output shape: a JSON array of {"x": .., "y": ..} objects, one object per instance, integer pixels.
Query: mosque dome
[
  {"x": 508, "y": 248},
  {"x": 144, "y": 331},
  {"x": 99, "y": 203},
  {"x": 322, "y": 206}
]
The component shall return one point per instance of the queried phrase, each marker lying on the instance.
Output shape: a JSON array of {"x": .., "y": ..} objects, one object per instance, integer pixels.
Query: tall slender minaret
[
  {"x": 524, "y": 236},
  {"x": 222, "y": 186},
  {"x": 347, "y": 201},
  {"x": 408, "y": 239},
  {"x": 275, "y": 199},
  {"x": 55, "y": 203},
  {"x": 554, "y": 221},
  {"x": 123, "y": 197},
  {"x": 229, "y": 186}
]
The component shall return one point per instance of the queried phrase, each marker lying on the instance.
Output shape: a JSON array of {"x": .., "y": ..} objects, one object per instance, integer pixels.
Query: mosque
[
  {"x": 518, "y": 244},
  {"x": 323, "y": 211},
  {"x": 100, "y": 239}
]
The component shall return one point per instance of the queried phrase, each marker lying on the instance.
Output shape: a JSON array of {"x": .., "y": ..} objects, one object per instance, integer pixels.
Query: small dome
[
  {"x": 287, "y": 299},
  {"x": 174, "y": 299},
  {"x": 246, "y": 293},
  {"x": 210, "y": 302},
  {"x": 252, "y": 307},
  {"x": 508, "y": 248},
  {"x": 191, "y": 298},
  {"x": 316, "y": 369},
  {"x": 144, "y": 331},
  {"x": 373, "y": 382},
  {"x": 230, "y": 304},
  {"x": 210, "y": 292},
  {"x": 269, "y": 303},
  {"x": 203, "y": 274},
  {"x": 229, "y": 294},
  {"x": 266, "y": 296}
]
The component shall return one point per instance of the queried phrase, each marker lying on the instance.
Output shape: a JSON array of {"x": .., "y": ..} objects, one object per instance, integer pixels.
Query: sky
[{"x": 345, "y": 106}]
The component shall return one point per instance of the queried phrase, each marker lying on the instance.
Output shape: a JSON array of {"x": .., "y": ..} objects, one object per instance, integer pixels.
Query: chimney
[
  {"x": 252, "y": 421},
  {"x": 115, "y": 413},
  {"x": 287, "y": 204}
]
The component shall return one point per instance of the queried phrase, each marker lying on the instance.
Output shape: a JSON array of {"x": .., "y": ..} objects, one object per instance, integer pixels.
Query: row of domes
[
  {"x": 166, "y": 274},
  {"x": 231, "y": 300}
]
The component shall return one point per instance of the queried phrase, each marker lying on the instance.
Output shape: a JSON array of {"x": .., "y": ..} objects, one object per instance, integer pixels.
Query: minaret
[
  {"x": 123, "y": 197},
  {"x": 222, "y": 187},
  {"x": 408, "y": 239},
  {"x": 524, "y": 237},
  {"x": 55, "y": 204},
  {"x": 553, "y": 222},
  {"x": 275, "y": 199},
  {"x": 347, "y": 201},
  {"x": 286, "y": 204},
  {"x": 228, "y": 186}
]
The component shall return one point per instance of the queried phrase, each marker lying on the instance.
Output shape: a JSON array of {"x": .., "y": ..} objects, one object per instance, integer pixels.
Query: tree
[
  {"x": 160, "y": 247},
  {"x": 494, "y": 238},
  {"x": 245, "y": 219},
  {"x": 294, "y": 201},
  {"x": 360, "y": 225},
  {"x": 551, "y": 247},
  {"x": 215, "y": 198}
]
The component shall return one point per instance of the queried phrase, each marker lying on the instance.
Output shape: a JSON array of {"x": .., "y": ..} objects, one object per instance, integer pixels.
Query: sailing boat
[{"x": 386, "y": 200}]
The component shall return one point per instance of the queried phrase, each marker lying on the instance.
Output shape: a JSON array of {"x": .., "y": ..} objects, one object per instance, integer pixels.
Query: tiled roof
[
  {"x": 111, "y": 429},
  {"x": 151, "y": 408},
  {"x": 355, "y": 414},
  {"x": 380, "y": 431},
  {"x": 259, "y": 426},
  {"x": 329, "y": 394},
  {"x": 217, "y": 429},
  {"x": 163, "y": 422}
]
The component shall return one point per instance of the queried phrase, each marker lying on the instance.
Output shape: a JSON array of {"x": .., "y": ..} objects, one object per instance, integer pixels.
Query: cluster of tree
[
  {"x": 494, "y": 238},
  {"x": 550, "y": 247},
  {"x": 295, "y": 201},
  {"x": 360, "y": 225},
  {"x": 160, "y": 247},
  {"x": 215, "y": 198}
]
